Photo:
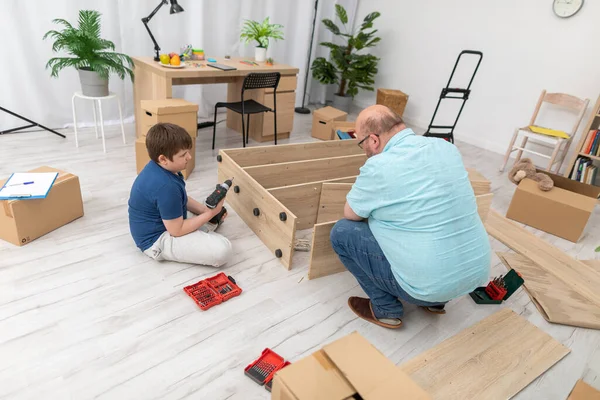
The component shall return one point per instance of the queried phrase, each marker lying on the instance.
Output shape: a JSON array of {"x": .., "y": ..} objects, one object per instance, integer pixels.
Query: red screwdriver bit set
[
  {"x": 212, "y": 291},
  {"x": 264, "y": 368}
]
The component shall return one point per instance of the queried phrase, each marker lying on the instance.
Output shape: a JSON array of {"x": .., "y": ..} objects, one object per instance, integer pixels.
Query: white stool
[{"x": 99, "y": 100}]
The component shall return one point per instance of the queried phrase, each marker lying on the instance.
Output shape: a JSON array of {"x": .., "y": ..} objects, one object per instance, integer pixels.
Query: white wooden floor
[{"x": 84, "y": 314}]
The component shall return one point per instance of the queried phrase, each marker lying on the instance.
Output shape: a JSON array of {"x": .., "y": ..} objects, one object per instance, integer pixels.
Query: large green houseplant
[
  {"x": 348, "y": 67},
  {"x": 261, "y": 32},
  {"x": 91, "y": 54}
]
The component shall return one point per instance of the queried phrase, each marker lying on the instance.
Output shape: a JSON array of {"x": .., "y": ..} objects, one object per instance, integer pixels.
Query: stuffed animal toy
[{"x": 524, "y": 168}]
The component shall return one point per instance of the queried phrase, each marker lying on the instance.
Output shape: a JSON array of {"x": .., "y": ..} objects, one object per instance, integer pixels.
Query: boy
[{"x": 159, "y": 204}]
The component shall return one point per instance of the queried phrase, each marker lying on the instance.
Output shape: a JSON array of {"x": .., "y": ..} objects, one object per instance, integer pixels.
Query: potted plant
[
  {"x": 349, "y": 69},
  {"x": 90, "y": 54},
  {"x": 261, "y": 32},
  {"x": 270, "y": 62}
]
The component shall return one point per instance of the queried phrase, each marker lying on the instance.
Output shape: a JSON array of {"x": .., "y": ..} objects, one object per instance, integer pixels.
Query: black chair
[{"x": 246, "y": 107}]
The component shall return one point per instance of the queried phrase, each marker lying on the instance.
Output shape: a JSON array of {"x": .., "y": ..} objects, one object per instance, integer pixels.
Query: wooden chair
[{"x": 560, "y": 146}]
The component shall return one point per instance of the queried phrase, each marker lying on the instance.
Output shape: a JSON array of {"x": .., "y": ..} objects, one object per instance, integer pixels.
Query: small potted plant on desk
[
  {"x": 269, "y": 62},
  {"x": 347, "y": 68},
  {"x": 91, "y": 55},
  {"x": 261, "y": 32}
]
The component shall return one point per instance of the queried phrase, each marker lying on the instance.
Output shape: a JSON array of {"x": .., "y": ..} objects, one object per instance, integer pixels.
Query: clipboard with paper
[{"x": 28, "y": 185}]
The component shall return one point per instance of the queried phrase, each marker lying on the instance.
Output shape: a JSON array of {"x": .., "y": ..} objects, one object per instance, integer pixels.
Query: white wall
[{"x": 526, "y": 49}]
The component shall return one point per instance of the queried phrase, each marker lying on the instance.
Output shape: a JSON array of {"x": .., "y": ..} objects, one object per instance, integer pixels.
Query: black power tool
[{"x": 218, "y": 195}]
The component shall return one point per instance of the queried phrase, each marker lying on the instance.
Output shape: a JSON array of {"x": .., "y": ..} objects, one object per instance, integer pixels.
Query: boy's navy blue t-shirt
[{"x": 156, "y": 194}]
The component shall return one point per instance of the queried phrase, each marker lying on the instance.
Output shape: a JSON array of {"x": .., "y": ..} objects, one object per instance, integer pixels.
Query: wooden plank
[
  {"x": 303, "y": 200},
  {"x": 493, "y": 359},
  {"x": 296, "y": 172},
  {"x": 273, "y": 232},
  {"x": 479, "y": 183},
  {"x": 556, "y": 300},
  {"x": 323, "y": 259},
  {"x": 571, "y": 271},
  {"x": 281, "y": 153},
  {"x": 484, "y": 202},
  {"x": 332, "y": 201}
]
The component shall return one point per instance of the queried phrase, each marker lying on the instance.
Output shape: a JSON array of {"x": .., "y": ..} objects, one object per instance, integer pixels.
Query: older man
[{"x": 423, "y": 241}]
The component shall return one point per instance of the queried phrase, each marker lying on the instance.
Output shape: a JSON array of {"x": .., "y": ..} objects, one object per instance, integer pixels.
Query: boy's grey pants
[{"x": 203, "y": 246}]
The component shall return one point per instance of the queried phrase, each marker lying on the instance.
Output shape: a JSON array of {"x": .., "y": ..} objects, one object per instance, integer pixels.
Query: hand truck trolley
[{"x": 447, "y": 131}]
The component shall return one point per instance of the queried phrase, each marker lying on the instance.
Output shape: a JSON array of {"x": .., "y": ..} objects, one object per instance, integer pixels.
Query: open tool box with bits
[
  {"x": 212, "y": 291},
  {"x": 263, "y": 369}
]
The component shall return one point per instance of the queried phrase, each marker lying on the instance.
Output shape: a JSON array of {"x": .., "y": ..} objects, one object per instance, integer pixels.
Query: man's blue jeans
[{"x": 357, "y": 248}]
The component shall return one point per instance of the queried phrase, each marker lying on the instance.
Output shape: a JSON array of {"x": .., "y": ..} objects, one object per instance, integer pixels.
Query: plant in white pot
[
  {"x": 348, "y": 68},
  {"x": 261, "y": 32},
  {"x": 90, "y": 54}
]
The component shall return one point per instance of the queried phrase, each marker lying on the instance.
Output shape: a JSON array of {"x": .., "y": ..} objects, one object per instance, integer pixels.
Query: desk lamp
[{"x": 175, "y": 8}]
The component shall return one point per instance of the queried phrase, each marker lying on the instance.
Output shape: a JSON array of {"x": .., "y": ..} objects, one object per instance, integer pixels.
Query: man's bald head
[{"x": 378, "y": 119}]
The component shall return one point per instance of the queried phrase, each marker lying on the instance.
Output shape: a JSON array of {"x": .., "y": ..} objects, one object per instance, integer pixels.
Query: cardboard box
[
  {"x": 142, "y": 158},
  {"x": 394, "y": 99},
  {"x": 175, "y": 111},
  {"x": 342, "y": 369},
  {"x": 344, "y": 126},
  {"x": 563, "y": 211},
  {"x": 323, "y": 120},
  {"x": 583, "y": 391},
  {"x": 22, "y": 221}
]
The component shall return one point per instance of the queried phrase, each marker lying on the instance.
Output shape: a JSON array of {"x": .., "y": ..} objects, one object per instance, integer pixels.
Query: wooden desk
[{"x": 153, "y": 81}]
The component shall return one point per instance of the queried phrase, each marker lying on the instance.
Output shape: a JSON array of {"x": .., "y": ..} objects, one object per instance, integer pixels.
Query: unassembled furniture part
[{"x": 277, "y": 189}]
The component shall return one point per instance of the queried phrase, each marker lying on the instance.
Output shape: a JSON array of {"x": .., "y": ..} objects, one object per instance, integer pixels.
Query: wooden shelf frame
[
  {"x": 593, "y": 123},
  {"x": 278, "y": 190}
]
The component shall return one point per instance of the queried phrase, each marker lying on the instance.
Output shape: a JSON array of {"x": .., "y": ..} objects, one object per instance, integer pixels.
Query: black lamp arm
[{"x": 146, "y": 20}]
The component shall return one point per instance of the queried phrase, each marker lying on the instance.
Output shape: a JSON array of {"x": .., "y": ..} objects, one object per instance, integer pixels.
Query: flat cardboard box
[
  {"x": 323, "y": 119},
  {"x": 342, "y": 369},
  {"x": 142, "y": 158},
  {"x": 583, "y": 391},
  {"x": 563, "y": 211},
  {"x": 344, "y": 126},
  {"x": 176, "y": 111},
  {"x": 22, "y": 221}
]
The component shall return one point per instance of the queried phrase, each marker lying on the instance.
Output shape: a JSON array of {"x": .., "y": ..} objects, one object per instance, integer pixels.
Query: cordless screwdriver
[{"x": 218, "y": 195}]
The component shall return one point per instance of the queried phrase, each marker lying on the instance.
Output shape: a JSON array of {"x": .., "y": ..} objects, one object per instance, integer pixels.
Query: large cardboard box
[
  {"x": 563, "y": 211},
  {"x": 322, "y": 122},
  {"x": 175, "y": 111},
  {"x": 344, "y": 126},
  {"x": 142, "y": 158},
  {"x": 22, "y": 221},
  {"x": 342, "y": 369}
]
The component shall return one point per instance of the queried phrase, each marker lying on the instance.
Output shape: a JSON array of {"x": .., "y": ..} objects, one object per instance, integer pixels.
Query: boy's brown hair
[{"x": 168, "y": 140}]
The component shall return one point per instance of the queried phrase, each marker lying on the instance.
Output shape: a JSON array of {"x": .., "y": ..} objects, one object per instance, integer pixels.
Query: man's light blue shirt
[{"x": 421, "y": 209}]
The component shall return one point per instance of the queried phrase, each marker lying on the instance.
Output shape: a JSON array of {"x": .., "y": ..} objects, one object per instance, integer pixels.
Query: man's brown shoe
[
  {"x": 435, "y": 310},
  {"x": 362, "y": 308}
]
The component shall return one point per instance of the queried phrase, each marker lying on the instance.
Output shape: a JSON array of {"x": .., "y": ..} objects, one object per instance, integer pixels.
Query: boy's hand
[{"x": 218, "y": 208}]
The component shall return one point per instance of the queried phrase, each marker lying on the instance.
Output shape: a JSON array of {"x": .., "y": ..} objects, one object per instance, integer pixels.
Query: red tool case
[
  {"x": 264, "y": 368},
  {"x": 212, "y": 291}
]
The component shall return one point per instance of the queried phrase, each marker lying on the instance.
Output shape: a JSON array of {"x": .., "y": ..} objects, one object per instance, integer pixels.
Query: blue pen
[{"x": 19, "y": 184}]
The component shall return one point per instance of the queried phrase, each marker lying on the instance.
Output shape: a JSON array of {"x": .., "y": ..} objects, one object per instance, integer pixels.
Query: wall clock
[{"x": 567, "y": 8}]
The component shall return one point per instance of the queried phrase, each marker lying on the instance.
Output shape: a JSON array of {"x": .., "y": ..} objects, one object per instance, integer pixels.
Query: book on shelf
[
  {"x": 584, "y": 171},
  {"x": 591, "y": 145}
]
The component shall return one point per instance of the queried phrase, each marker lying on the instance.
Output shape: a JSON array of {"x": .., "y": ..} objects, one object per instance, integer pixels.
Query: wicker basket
[{"x": 394, "y": 99}]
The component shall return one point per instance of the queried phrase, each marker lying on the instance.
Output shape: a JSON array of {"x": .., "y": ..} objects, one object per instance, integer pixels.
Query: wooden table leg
[{"x": 148, "y": 86}]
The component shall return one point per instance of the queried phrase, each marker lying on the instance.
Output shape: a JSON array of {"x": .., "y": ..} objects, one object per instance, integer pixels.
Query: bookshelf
[{"x": 593, "y": 124}]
